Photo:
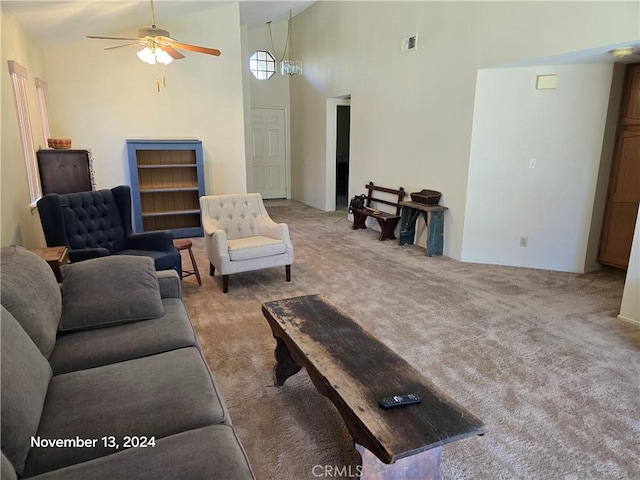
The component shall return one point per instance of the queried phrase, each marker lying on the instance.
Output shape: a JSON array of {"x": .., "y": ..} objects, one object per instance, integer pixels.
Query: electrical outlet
[{"x": 523, "y": 241}]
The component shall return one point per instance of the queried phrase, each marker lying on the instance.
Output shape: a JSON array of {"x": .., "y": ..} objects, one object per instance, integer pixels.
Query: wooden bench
[
  {"x": 353, "y": 369},
  {"x": 387, "y": 221}
]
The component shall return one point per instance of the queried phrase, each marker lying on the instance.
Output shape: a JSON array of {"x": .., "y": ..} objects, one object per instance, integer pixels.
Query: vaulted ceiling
[{"x": 57, "y": 22}]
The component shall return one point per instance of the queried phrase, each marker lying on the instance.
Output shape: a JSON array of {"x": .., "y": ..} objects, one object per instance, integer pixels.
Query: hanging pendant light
[
  {"x": 290, "y": 67},
  {"x": 287, "y": 66}
]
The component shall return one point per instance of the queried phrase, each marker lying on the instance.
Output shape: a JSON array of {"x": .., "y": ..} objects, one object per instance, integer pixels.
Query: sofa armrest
[
  {"x": 161, "y": 241},
  {"x": 268, "y": 228},
  {"x": 210, "y": 225},
  {"x": 216, "y": 239},
  {"x": 170, "y": 285}
]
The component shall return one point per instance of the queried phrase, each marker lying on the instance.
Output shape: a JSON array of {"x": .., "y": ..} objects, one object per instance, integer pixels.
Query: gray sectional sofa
[{"x": 103, "y": 378}]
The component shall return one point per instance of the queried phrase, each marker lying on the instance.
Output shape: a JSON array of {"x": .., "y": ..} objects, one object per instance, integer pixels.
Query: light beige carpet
[{"x": 539, "y": 356}]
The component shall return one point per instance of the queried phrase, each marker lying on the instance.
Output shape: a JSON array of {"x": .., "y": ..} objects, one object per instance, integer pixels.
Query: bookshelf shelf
[{"x": 167, "y": 181}]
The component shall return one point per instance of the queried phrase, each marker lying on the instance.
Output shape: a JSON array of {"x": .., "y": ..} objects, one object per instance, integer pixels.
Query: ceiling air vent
[{"x": 410, "y": 43}]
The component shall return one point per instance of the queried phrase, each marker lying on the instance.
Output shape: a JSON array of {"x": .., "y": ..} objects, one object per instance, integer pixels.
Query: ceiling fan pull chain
[{"x": 164, "y": 82}]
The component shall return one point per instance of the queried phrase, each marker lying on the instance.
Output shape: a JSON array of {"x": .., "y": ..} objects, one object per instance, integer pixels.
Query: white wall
[
  {"x": 274, "y": 92},
  {"x": 552, "y": 204},
  {"x": 246, "y": 106},
  {"x": 101, "y": 98},
  {"x": 19, "y": 224},
  {"x": 271, "y": 93},
  {"x": 411, "y": 113}
]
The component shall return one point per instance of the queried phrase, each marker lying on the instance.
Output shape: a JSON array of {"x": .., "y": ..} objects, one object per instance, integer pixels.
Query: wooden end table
[
  {"x": 55, "y": 257},
  {"x": 354, "y": 370}
]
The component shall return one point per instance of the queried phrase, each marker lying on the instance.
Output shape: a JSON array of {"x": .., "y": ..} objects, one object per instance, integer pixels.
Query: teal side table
[{"x": 434, "y": 218}]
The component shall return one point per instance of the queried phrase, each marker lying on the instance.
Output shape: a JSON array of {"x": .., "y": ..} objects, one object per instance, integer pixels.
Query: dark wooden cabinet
[
  {"x": 623, "y": 198},
  {"x": 64, "y": 171}
]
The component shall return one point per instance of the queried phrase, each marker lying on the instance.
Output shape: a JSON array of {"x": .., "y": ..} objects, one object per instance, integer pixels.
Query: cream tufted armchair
[{"x": 240, "y": 236}]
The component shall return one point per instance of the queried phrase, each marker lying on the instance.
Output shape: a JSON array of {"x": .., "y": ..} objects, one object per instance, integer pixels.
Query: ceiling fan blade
[
  {"x": 113, "y": 38},
  {"x": 125, "y": 45},
  {"x": 176, "y": 55},
  {"x": 195, "y": 48}
]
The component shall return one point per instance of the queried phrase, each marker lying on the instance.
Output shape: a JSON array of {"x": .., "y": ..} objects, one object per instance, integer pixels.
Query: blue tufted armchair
[{"x": 98, "y": 223}]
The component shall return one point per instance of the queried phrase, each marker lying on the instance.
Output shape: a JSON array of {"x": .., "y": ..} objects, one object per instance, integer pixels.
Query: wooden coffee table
[{"x": 354, "y": 370}]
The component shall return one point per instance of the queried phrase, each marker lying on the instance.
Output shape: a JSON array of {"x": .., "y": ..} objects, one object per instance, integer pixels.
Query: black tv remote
[{"x": 399, "y": 400}]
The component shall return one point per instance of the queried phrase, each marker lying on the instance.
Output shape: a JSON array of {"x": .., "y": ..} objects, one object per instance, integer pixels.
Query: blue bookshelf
[{"x": 167, "y": 181}]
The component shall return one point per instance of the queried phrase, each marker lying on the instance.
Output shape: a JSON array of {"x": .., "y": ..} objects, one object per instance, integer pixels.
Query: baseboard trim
[
  {"x": 629, "y": 320},
  {"x": 500, "y": 263}
]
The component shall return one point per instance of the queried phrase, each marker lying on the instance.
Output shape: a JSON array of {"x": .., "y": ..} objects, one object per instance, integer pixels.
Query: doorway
[
  {"x": 337, "y": 152},
  {"x": 343, "y": 123}
]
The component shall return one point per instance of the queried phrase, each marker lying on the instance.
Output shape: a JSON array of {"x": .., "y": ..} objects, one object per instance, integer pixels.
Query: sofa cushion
[
  {"x": 109, "y": 290},
  {"x": 158, "y": 396},
  {"x": 25, "y": 377},
  {"x": 92, "y": 348},
  {"x": 212, "y": 452},
  {"x": 31, "y": 293},
  {"x": 7, "y": 472},
  {"x": 254, "y": 247}
]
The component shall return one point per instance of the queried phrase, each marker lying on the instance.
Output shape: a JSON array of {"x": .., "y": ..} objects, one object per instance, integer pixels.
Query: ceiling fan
[{"x": 159, "y": 47}]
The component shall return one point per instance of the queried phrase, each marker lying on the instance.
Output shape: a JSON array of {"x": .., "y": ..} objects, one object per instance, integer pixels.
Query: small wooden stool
[{"x": 185, "y": 244}]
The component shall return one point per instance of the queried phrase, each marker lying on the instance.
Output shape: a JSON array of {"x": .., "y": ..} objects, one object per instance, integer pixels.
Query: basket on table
[
  {"x": 426, "y": 197},
  {"x": 59, "y": 143}
]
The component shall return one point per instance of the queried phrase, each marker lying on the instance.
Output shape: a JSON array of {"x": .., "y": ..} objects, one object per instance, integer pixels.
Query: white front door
[{"x": 268, "y": 151}]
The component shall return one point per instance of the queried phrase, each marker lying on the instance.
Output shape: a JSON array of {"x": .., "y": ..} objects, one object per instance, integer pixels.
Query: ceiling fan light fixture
[
  {"x": 147, "y": 56},
  {"x": 159, "y": 47},
  {"x": 154, "y": 55},
  {"x": 163, "y": 57}
]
